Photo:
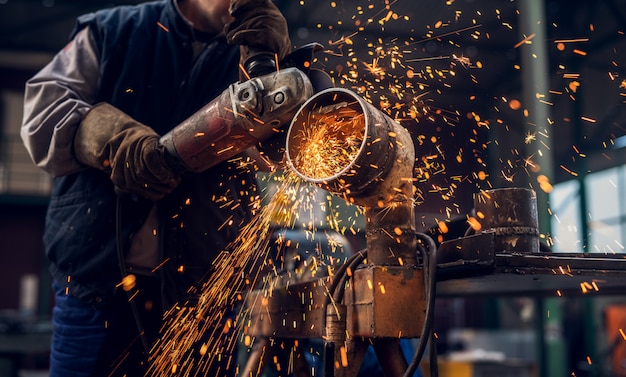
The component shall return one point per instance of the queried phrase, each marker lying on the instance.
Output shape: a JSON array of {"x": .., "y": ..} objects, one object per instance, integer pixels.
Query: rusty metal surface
[
  {"x": 478, "y": 265},
  {"x": 381, "y": 302},
  {"x": 511, "y": 213},
  {"x": 289, "y": 310},
  {"x": 386, "y": 302},
  {"x": 237, "y": 119}
]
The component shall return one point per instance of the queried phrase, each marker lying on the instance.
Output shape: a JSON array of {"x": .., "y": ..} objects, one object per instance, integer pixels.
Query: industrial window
[
  {"x": 604, "y": 213},
  {"x": 606, "y": 210}
]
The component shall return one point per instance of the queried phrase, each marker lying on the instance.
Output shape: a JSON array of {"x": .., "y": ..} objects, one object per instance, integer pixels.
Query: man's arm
[{"x": 55, "y": 102}]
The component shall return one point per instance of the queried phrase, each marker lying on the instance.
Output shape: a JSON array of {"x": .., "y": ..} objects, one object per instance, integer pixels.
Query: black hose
[
  {"x": 434, "y": 368},
  {"x": 429, "y": 257},
  {"x": 354, "y": 262},
  {"x": 340, "y": 278},
  {"x": 123, "y": 271}
]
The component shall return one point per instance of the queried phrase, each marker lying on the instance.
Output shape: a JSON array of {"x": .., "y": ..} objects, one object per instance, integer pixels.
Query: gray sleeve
[{"x": 55, "y": 101}]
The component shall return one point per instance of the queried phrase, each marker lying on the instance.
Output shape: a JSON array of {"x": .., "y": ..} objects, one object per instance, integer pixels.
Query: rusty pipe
[
  {"x": 511, "y": 213},
  {"x": 377, "y": 176}
]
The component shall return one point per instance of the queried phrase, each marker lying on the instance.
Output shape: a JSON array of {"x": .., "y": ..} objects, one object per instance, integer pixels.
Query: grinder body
[{"x": 243, "y": 115}]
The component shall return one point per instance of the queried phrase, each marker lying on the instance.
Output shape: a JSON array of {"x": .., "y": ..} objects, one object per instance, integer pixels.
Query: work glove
[
  {"x": 110, "y": 140},
  {"x": 260, "y": 29}
]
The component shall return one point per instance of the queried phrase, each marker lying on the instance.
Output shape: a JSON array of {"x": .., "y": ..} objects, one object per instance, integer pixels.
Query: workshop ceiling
[{"x": 453, "y": 71}]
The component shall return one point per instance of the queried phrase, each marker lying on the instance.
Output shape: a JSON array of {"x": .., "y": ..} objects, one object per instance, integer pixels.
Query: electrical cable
[
  {"x": 123, "y": 271},
  {"x": 340, "y": 278},
  {"x": 429, "y": 258},
  {"x": 432, "y": 353},
  {"x": 358, "y": 259}
]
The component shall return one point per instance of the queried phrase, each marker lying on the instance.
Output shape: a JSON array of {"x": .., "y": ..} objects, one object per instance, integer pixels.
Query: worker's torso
[{"x": 149, "y": 70}]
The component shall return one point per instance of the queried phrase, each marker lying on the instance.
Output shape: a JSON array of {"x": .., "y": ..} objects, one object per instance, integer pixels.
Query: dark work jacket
[{"x": 148, "y": 70}]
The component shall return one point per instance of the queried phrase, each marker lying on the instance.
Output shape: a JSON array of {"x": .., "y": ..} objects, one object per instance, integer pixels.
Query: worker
[{"x": 121, "y": 218}]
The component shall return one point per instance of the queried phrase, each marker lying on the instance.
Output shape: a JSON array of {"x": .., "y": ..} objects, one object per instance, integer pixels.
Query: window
[
  {"x": 605, "y": 218},
  {"x": 606, "y": 210}
]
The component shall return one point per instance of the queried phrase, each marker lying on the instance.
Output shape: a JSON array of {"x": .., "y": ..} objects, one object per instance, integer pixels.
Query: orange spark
[{"x": 525, "y": 40}]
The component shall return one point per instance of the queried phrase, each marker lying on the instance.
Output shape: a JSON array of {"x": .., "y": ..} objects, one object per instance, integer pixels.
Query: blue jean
[{"x": 89, "y": 341}]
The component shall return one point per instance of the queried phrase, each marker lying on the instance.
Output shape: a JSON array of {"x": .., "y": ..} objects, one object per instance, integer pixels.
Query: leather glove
[
  {"x": 110, "y": 140},
  {"x": 259, "y": 28}
]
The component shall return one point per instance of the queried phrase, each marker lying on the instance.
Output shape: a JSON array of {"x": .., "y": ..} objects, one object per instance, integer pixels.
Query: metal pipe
[
  {"x": 372, "y": 166},
  {"x": 346, "y": 146},
  {"x": 511, "y": 213}
]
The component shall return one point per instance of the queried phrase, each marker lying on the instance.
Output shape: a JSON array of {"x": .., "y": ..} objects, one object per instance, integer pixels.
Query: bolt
[{"x": 279, "y": 97}]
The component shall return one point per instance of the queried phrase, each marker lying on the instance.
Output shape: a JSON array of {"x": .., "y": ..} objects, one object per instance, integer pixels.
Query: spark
[
  {"x": 450, "y": 33},
  {"x": 374, "y": 68},
  {"x": 587, "y": 119},
  {"x": 530, "y": 137},
  {"x": 575, "y": 40},
  {"x": 465, "y": 61},
  {"x": 162, "y": 26},
  {"x": 428, "y": 58},
  {"x": 524, "y": 41},
  {"x": 192, "y": 342},
  {"x": 528, "y": 161},
  {"x": 508, "y": 178},
  {"x": 332, "y": 142},
  {"x": 569, "y": 171},
  {"x": 243, "y": 70}
]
